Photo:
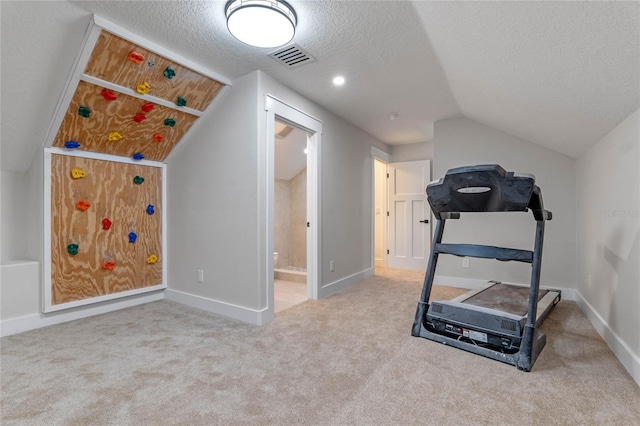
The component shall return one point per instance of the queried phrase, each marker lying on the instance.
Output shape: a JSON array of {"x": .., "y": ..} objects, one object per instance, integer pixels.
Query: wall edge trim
[
  {"x": 622, "y": 351},
  {"x": 334, "y": 287},
  {"x": 12, "y": 326},
  {"x": 225, "y": 309}
]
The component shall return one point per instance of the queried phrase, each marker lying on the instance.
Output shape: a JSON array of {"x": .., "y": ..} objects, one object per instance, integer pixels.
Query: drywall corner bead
[
  {"x": 135, "y": 57},
  {"x": 114, "y": 136},
  {"x": 143, "y": 88},
  {"x": 78, "y": 173},
  {"x": 169, "y": 73},
  {"x": 84, "y": 112},
  {"x": 71, "y": 145},
  {"x": 108, "y": 95}
]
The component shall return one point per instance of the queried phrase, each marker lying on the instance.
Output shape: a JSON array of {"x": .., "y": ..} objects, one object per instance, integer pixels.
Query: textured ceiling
[{"x": 560, "y": 74}]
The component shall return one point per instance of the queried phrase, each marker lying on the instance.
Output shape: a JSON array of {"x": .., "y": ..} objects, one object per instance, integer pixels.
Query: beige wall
[
  {"x": 298, "y": 225},
  {"x": 282, "y": 221},
  {"x": 290, "y": 221}
]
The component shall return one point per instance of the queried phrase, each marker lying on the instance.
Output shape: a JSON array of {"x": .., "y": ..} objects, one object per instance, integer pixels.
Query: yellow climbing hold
[
  {"x": 143, "y": 88},
  {"x": 114, "y": 136},
  {"x": 78, "y": 173},
  {"x": 152, "y": 259}
]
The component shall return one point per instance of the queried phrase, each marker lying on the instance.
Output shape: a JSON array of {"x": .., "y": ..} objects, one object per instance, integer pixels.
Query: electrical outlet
[
  {"x": 331, "y": 265},
  {"x": 200, "y": 276},
  {"x": 465, "y": 262}
]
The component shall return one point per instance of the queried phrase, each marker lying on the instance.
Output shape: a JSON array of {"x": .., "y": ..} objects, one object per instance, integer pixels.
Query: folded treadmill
[{"x": 500, "y": 321}]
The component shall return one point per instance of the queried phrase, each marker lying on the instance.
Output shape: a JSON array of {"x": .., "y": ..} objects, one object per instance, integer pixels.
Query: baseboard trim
[
  {"x": 12, "y": 326},
  {"x": 629, "y": 360},
  {"x": 229, "y": 310},
  {"x": 473, "y": 283},
  {"x": 332, "y": 288}
]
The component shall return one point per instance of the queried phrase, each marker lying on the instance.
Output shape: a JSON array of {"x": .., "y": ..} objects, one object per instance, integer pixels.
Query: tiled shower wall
[{"x": 291, "y": 221}]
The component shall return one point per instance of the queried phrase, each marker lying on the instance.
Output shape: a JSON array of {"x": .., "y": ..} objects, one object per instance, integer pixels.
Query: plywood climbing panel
[{"x": 95, "y": 206}]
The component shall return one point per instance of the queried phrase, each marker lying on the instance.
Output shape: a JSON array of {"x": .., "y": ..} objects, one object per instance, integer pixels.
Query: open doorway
[
  {"x": 290, "y": 216},
  {"x": 380, "y": 213},
  {"x": 281, "y": 116}
]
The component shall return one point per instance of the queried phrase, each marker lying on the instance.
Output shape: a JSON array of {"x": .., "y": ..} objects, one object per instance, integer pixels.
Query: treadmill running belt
[{"x": 504, "y": 297}]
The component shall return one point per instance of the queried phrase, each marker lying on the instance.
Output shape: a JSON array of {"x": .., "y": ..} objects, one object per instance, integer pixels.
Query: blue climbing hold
[
  {"x": 71, "y": 145},
  {"x": 137, "y": 156},
  {"x": 150, "y": 209},
  {"x": 132, "y": 237}
]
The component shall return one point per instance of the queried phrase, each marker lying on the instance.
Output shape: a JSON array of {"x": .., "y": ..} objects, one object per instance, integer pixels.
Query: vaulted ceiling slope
[{"x": 559, "y": 74}]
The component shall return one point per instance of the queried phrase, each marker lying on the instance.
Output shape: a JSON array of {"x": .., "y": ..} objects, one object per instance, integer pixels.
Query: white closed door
[{"x": 409, "y": 215}]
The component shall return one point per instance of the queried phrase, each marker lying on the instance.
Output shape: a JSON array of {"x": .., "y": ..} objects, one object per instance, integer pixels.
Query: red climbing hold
[
  {"x": 108, "y": 95},
  {"x": 83, "y": 205},
  {"x": 135, "y": 57},
  {"x": 157, "y": 137},
  {"x": 147, "y": 107},
  {"x": 109, "y": 265},
  {"x": 106, "y": 224},
  {"x": 139, "y": 118}
]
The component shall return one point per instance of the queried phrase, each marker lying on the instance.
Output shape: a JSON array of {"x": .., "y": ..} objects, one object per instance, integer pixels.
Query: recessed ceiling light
[
  {"x": 393, "y": 116},
  {"x": 338, "y": 81},
  {"x": 261, "y": 23}
]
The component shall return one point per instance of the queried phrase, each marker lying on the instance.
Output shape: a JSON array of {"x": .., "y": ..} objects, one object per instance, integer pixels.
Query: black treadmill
[{"x": 500, "y": 321}]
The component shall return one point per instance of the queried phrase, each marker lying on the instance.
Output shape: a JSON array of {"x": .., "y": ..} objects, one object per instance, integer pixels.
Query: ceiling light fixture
[
  {"x": 261, "y": 23},
  {"x": 338, "y": 81}
]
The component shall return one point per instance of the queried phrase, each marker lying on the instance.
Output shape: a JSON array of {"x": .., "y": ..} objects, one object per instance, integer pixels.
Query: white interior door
[{"x": 409, "y": 215}]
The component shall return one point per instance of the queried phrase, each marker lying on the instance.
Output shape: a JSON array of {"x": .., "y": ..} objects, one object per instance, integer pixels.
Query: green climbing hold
[
  {"x": 138, "y": 180},
  {"x": 170, "y": 122},
  {"x": 72, "y": 249},
  {"x": 169, "y": 73},
  {"x": 84, "y": 111},
  {"x": 181, "y": 101}
]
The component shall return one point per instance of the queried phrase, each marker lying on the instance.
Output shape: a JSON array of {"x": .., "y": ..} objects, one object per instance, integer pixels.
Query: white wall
[
  {"x": 461, "y": 142},
  {"x": 346, "y": 186},
  {"x": 412, "y": 152},
  {"x": 608, "y": 235},
  {"x": 212, "y": 203},
  {"x": 14, "y": 206}
]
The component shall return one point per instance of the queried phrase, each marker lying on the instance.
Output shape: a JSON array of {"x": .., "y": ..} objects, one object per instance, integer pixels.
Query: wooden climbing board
[
  {"x": 110, "y": 190},
  {"x": 123, "y": 88},
  {"x": 110, "y": 62},
  {"x": 117, "y": 115}
]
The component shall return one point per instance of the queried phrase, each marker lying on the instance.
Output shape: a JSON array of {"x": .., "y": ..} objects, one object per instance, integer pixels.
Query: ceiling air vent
[{"x": 292, "y": 56}]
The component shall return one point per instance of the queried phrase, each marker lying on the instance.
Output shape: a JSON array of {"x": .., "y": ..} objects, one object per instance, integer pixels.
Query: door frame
[
  {"x": 276, "y": 108},
  {"x": 377, "y": 154}
]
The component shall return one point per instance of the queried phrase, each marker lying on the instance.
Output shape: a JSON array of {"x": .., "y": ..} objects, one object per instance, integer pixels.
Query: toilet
[{"x": 275, "y": 258}]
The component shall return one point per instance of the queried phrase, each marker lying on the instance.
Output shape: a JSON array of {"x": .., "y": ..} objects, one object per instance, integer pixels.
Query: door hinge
[
  {"x": 387, "y": 251},
  {"x": 308, "y": 225},
  {"x": 387, "y": 213},
  {"x": 387, "y": 175}
]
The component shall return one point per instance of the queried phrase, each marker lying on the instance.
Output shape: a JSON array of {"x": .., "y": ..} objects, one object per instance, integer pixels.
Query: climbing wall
[
  {"x": 106, "y": 227},
  {"x": 130, "y": 101}
]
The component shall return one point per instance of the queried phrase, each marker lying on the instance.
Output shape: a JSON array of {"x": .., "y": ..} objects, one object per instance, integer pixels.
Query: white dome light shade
[{"x": 261, "y": 23}]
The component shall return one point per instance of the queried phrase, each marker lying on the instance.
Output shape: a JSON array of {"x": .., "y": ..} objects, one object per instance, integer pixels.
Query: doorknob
[{"x": 424, "y": 221}]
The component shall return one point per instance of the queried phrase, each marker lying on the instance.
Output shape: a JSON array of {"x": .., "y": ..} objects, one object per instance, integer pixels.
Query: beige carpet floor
[{"x": 347, "y": 359}]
